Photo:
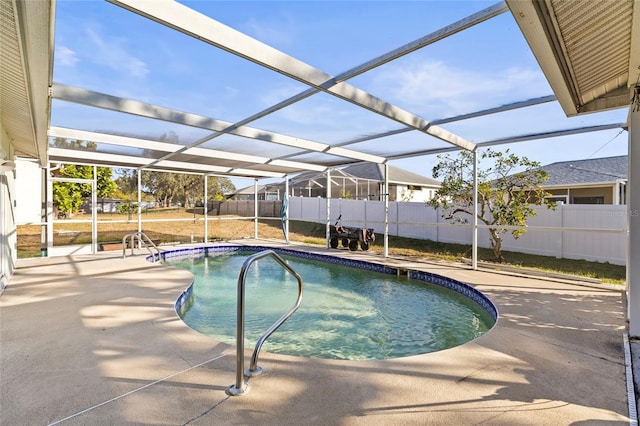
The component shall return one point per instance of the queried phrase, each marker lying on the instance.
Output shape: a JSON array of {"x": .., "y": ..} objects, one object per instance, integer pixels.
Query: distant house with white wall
[
  {"x": 591, "y": 181},
  {"x": 27, "y": 199},
  {"x": 403, "y": 184},
  {"x": 265, "y": 192}
]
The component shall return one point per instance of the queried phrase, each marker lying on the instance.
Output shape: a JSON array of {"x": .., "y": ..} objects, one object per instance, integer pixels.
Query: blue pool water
[{"x": 346, "y": 312}]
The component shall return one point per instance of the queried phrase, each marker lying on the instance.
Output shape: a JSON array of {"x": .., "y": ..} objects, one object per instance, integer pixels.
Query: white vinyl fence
[{"x": 590, "y": 232}]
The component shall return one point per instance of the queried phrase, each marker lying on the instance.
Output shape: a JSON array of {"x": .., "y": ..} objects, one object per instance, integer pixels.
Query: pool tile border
[{"x": 429, "y": 277}]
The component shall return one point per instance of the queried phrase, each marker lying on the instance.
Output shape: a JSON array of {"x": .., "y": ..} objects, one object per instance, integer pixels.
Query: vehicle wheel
[
  {"x": 334, "y": 243},
  {"x": 345, "y": 242},
  {"x": 364, "y": 245},
  {"x": 353, "y": 245}
]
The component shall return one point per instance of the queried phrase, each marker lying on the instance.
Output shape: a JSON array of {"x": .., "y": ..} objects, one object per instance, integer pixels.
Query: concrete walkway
[{"x": 94, "y": 340}]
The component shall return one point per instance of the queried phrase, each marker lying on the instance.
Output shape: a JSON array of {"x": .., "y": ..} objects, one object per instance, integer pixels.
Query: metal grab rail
[
  {"x": 141, "y": 236},
  {"x": 240, "y": 387}
]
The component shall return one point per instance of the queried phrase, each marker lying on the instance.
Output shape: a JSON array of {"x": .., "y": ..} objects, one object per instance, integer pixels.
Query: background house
[
  {"x": 343, "y": 185},
  {"x": 403, "y": 185},
  {"x": 265, "y": 192},
  {"x": 591, "y": 181},
  {"x": 356, "y": 182}
]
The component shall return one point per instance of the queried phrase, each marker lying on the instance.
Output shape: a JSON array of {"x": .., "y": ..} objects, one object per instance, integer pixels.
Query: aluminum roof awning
[
  {"x": 26, "y": 59},
  {"x": 588, "y": 50}
]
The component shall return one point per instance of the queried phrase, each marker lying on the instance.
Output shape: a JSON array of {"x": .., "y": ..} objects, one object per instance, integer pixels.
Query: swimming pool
[{"x": 350, "y": 309}]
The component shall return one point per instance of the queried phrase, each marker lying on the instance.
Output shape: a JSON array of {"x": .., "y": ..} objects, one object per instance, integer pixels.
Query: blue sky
[{"x": 102, "y": 47}]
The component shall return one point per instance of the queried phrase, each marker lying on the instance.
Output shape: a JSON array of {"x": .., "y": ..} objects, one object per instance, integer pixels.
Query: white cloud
[
  {"x": 318, "y": 110},
  {"x": 113, "y": 54},
  {"x": 66, "y": 56},
  {"x": 277, "y": 34},
  {"x": 437, "y": 88},
  {"x": 231, "y": 93},
  {"x": 279, "y": 93}
]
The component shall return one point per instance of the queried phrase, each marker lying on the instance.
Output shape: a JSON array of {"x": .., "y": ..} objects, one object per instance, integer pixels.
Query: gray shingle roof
[
  {"x": 248, "y": 190},
  {"x": 375, "y": 172},
  {"x": 595, "y": 170}
]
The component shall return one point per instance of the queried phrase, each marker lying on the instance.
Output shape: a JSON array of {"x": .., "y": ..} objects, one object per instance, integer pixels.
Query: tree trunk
[{"x": 496, "y": 245}]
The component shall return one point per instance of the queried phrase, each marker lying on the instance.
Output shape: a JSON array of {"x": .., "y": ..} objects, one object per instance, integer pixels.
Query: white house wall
[
  {"x": 28, "y": 204},
  {"x": 403, "y": 193},
  {"x": 8, "y": 240}
]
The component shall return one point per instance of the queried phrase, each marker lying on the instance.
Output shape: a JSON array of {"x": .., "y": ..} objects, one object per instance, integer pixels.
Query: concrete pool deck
[{"x": 94, "y": 339}]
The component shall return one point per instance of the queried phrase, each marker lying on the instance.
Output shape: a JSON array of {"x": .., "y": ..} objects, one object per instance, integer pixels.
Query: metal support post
[
  {"x": 474, "y": 238},
  {"x": 386, "y": 209},
  {"x": 328, "y": 226},
  {"x": 206, "y": 209},
  {"x": 94, "y": 211}
]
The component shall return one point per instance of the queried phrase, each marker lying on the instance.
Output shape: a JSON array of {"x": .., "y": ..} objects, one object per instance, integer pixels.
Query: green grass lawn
[
  {"x": 305, "y": 232},
  {"x": 605, "y": 272},
  {"x": 432, "y": 250}
]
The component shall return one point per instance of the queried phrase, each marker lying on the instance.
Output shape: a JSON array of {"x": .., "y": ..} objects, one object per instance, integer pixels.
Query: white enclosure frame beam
[
  {"x": 205, "y": 197},
  {"x": 328, "y": 211},
  {"x": 127, "y": 106},
  {"x": 130, "y": 142},
  {"x": 78, "y": 157},
  {"x": 440, "y": 34},
  {"x": 515, "y": 139},
  {"x": 190, "y": 22},
  {"x": 386, "y": 209},
  {"x": 133, "y": 107},
  {"x": 67, "y": 133},
  {"x": 139, "y": 192},
  {"x": 474, "y": 237},
  {"x": 64, "y": 155},
  {"x": 94, "y": 211},
  {"x": 476, "y": 114}
]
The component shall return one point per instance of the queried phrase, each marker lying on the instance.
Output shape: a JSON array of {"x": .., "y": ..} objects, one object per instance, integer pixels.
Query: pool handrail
[
  {"x": 141, "y": 237},
  {"x": 241, "y": 387}
]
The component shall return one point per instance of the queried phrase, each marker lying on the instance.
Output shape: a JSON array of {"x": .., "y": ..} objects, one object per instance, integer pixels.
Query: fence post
[
  {"x": 365, "y": 212},
  {"x": 255, "y": 209},
  {"x": 437, "y": 224},
  {"x": 561, "y": 248}
]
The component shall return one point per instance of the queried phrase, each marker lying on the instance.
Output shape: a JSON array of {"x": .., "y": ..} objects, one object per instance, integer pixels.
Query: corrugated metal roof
[
  {"x": 587, "y": 49},
  {"x": 597, "y": 40}
]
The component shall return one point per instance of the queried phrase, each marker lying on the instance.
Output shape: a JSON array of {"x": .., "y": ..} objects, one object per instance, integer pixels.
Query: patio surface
[{"x": 95, "y": 340}]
